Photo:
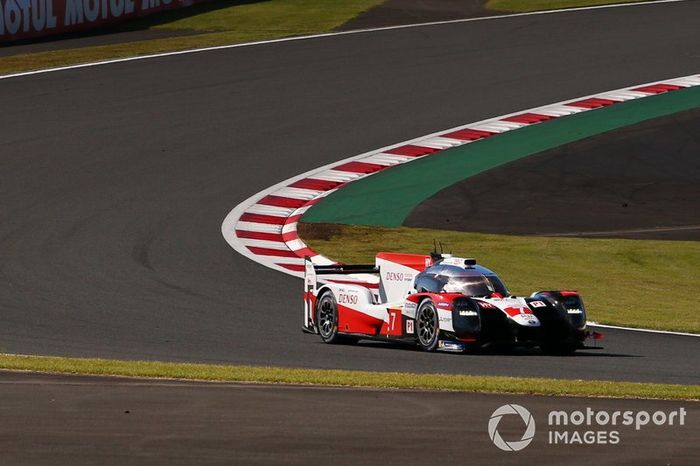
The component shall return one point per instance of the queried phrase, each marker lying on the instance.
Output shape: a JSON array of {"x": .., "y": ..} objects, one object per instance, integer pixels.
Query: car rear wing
[{"x": 311, "y": 273}]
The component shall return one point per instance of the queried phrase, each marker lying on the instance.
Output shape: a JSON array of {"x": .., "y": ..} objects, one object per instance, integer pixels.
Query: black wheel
[
  {"x": 327, "y": 320},
  {"x": 559, "y": 348},
  {"x": 427, "y": 326}
]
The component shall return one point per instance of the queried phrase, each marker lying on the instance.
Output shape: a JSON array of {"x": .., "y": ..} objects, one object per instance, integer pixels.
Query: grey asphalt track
[
  {"x": 115, "y": 180},
  {"x": 81, "y": 420}
]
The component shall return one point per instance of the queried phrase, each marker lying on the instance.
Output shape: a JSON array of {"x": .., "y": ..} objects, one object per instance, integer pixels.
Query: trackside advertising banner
[{"x": 26, "y": 19}]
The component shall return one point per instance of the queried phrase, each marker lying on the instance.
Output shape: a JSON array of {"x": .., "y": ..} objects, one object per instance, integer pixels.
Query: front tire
[
  {"x": 427, "y": 325},
  {"x": 327, "y": 321}
]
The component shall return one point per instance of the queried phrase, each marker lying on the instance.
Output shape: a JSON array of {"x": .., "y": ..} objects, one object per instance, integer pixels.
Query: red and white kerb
[{"x": 264, "y": 227}]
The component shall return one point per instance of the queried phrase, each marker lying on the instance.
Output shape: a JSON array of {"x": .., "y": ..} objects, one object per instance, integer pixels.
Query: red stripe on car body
[
  {"x": 353, "y": 321},
  {"x": 514, "y": 311}
]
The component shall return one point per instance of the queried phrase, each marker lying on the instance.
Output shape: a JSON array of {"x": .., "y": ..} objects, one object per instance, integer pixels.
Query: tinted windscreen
[
  {"x": 498, "y": 285},
  {"x": 473, "y": 285}
]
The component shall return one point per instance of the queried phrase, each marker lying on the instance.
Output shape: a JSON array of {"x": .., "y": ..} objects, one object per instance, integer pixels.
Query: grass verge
[
  {"x": 539, "y": 5},
  {"x": 634, "y": 283},
  {"x": 389, "y": 380},
  {"x": 211, "y": 24}
]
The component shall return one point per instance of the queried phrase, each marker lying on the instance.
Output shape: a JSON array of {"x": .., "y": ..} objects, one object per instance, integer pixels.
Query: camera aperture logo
[
  {"x": 581, "y": 427},
  {"x": 529, "y": 427}
]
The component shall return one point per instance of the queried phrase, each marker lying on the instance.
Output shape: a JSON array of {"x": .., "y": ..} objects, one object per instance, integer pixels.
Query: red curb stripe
[
  {"x": 271, "y": 252},
  {"x": 469, "y": 134},
  {"x": 658, "y": 88},
  {"x": 316, "y": 185},
  {"x": 359, "y": 167},
  {"x": 260, "y": 235},
  {"x": 528, "y": 118},
  {"x": 411, "y": 150},
  {"x": 292, "y": 219},
  {"x": 592, "y": 103},
  {"x": 279, "y": 201},
  {"x": 290, "y": 236},
  {"x": 305, "y": 252},
  {"x": 293, "y": 267},
  {"x": 259, "y": 218}
]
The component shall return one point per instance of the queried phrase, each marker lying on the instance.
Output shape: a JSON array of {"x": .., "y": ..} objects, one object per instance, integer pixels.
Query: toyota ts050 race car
[{"x": 437, "y": 302}]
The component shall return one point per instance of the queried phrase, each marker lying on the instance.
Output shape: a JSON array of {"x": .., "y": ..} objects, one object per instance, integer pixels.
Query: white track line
[
  {"x": 645, "y": 330},
  {"x": 334, "y": 34}
]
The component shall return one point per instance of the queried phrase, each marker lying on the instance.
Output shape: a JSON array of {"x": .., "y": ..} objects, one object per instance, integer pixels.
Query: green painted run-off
[{"x": 388, "y": 197}]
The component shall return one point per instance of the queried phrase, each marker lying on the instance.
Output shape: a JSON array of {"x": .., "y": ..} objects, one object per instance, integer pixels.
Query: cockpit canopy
[{"x": 471, "y": 281}]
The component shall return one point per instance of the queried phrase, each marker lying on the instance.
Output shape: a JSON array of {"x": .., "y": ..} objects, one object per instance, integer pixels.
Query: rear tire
[
  {"x": 327, "y": 321},
  {"x": 427, "y": 326}
]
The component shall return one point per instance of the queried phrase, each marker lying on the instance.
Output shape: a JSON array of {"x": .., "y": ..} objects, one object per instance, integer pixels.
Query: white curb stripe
[
  {"x": 386, "y": 159},
  {"x": 270, "y": 210},
  {"x": 298, "y": 193},
  {"x": 441, "y": 143},
  {"x": 259, "y": 227},
  {"x": 334, "y": 175},
  {"x": 559, "y": 110}
]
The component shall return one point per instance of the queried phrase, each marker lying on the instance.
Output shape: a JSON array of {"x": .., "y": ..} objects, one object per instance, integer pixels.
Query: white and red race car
[{"x": 437, "y": 302}]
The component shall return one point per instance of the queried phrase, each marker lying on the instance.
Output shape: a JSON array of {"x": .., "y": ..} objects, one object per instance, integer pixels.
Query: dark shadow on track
[
  {"x": 399, "y": 12},
  {"x": 499, "y": 351}
]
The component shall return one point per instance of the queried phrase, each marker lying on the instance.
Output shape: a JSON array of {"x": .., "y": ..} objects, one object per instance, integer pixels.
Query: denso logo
[
  {"x": 347, "y": 298},
  {"x": 398, "y": 276}
]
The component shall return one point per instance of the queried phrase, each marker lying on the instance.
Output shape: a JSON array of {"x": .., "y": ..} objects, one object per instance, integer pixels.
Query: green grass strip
[
  {"x": 343, "y": 378},
  {"x": 522, "y": 6},
  {"x": 632, "y": 283},
  {"x": 388, "y": 197}
]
